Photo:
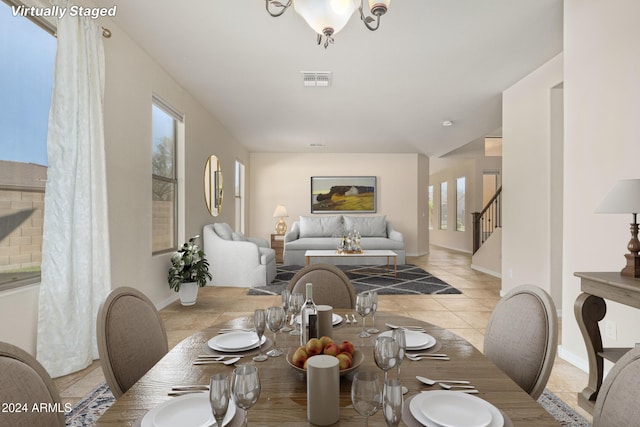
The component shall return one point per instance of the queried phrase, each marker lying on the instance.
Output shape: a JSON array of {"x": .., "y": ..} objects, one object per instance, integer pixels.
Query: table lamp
[
  {"x": 280, "y": 212},
  {"x": 625, "y": 198}
]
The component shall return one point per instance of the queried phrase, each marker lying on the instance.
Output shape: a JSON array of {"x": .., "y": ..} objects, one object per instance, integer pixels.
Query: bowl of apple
[{"x": 348, "y": 357}]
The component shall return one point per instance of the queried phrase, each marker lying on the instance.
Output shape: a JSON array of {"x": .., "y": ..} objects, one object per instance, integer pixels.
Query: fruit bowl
[{"x": 358, "y": 358}]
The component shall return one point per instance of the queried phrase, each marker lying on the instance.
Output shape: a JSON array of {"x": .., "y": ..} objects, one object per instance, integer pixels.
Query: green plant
[{"x": 188, "y": 264}]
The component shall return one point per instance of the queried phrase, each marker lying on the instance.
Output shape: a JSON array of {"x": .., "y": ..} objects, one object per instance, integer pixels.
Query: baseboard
[
  {"x": 575, "y": 360},
  {"x": 168, "y": 301},
  {"x": 464, "y": 251},
  {"x": 417, "y": 254},
  {"x": 486, "y": 271}
]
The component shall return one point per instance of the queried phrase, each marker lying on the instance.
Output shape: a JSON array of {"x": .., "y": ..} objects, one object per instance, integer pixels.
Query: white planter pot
[{"x": 188, "y": 293}]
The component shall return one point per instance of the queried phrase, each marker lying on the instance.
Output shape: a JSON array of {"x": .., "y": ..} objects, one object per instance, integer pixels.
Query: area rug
[
  {"x": 410, "y": 280},
  {"x": 89, "y": 409}
]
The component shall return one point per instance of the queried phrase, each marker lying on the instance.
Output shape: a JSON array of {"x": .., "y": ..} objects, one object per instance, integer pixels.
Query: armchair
[{"x": 236, "y": 260}]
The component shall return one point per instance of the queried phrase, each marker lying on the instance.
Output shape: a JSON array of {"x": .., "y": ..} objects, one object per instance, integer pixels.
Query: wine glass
[
  {"x": 219, "y": 396},
  {"x": 374, "y": 308},
  {"x": 259, "y": 321},
  {"x": 392, "y": 402},
  {"x": 295, "y": 304},
  {"x": 363, "y": 307},
  {"x": 401, "y": 340},
  {"x": 275, "y": 320},
  {"x": 385, "y": 353},
  {"x": 245, "y": 386},
  {"x": 286, "y": 295},
  {"x": 366, "y": 395}
]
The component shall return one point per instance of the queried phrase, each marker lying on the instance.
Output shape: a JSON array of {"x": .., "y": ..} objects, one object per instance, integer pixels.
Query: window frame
[
  {"x": 461, "y": 223},
  {"x": 444, "y": 212}
]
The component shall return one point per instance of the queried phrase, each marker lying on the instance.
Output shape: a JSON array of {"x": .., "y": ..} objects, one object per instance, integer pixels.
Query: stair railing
[{"x": 486, "y": 221}]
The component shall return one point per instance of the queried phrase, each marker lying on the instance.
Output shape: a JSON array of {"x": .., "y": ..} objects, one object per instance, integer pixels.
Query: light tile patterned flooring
[{"x": 466, "y": 315}]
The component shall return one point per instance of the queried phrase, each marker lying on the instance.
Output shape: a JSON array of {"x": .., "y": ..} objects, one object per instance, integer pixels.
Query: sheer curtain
[{"x": 75, "y": 246}]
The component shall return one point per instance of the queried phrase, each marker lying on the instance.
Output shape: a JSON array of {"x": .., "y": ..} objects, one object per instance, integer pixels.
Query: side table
[
  {"x": 589, "y": 309},
  {"x": 277, "y": 244}
]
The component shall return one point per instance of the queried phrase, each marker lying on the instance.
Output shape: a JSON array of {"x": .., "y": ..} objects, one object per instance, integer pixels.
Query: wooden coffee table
[{"x": 332, "y": 253}]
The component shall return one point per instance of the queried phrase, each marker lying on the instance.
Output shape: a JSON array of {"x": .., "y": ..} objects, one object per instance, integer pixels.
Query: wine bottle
[{"x": 309, "y": 317}]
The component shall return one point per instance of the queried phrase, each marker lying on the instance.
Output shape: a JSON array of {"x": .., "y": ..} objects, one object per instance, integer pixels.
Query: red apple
[
  {"x": 325, "y": 340},
  {"x": 346, "y": 347},
  {"x": 299, "y": 357},
  {"x": 344, "y": 361},
  {"x": 313, "y": 347},
  {"x": 331, "y": 349}
]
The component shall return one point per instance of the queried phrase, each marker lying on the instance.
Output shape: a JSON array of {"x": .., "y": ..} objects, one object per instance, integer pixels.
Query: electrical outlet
[{"x": 610, "y": 329}]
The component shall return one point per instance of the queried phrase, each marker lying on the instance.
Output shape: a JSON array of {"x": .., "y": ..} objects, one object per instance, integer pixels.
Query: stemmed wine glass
[
  {"x": 363, "y": 307},
  {"x": 295, "y": 304},
  {"x": 286, "y": 295},
  {"x": 259, "y": 321},
  {"x": 366, "y": 395},
  {"x": 219, "y": 396},
  {"x": 401, "y": 340},
  {"x": 385, "y": 353},
  {"x": 374, "y": 308},
  {"x": 275, "y": 320},
  {"x": 392, "y": 402},
  {"x": 245, "y": 386}
]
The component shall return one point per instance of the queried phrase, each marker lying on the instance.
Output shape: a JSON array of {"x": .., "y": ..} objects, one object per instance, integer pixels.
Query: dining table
[{"x": 283, "y": 395}]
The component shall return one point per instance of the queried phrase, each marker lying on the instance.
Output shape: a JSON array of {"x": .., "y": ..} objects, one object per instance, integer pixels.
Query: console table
[{"x": 589, "y": 309}]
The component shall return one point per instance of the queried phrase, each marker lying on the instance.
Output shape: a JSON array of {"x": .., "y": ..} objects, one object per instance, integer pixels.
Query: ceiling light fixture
[
  {"x": 328, "y": 17},
  {"x": 447, "y": 123}
]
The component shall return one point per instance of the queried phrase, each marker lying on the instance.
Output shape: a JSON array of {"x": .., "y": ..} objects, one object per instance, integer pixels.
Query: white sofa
[
  {"x": 236, "y": 260},
  {"x": 324, "y": 232}
]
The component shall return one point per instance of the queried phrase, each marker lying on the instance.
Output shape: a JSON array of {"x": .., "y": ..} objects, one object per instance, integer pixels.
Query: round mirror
[{"x": 213, "y": 185}]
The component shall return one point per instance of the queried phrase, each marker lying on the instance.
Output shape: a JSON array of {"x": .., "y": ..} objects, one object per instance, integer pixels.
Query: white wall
[
  {"x": 284, "y": 178},
  {"x": 602, "y": 106}
]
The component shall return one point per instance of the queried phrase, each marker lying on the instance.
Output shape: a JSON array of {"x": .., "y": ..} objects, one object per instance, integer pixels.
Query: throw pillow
[
  {"x": 238, "y": 236},
  {"x": 315, "y": 226},
  {"x": 367, "y": 226},
  {"x": 223, "y": 230}
]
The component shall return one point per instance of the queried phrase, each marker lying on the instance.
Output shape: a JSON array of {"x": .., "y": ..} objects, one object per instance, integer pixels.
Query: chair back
[
  {"x": 25, "y": 382},
  {"x": 330, "y": 285},
  {"x": 131, "y": 338},
  {"x": 617, "y": 401},
  {"x": 522, "y": 335}
]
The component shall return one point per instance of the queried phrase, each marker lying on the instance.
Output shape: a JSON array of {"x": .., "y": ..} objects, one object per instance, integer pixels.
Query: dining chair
[
  {"x": 522, "y": 335},
  {"x": 617, "y": 401},
  {"x": 331, "y": 286},
  {"x": 131, "y": 338},
  {"x": 24, "y": 383}
]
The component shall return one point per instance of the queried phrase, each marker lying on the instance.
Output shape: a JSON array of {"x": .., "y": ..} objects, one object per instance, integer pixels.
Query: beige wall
[
  {"x": 602, "y": 106},
  {"x": 284, "y": 178}
]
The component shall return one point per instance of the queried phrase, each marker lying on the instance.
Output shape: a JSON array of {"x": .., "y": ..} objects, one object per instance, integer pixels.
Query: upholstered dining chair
[
  {"x": 522, "y": 335},
  {"x": 24, "y": 381},
  {"x": 617, "y": 401},
  {"x": 330, "y": 285},
  {"x": 131, "y": 338}
]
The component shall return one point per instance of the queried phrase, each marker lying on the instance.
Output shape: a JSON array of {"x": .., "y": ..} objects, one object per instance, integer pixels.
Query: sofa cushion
[
  {"x": 307, "y": 243},
  {"x": 266, "y": 255},
  {"x": 367, "y": 226},
  {"x": 319, "y": 226},
  {"x": 237, "y": 236},
  {"x": 369, "y": 243},
  {"x": 223, "y": 230}
]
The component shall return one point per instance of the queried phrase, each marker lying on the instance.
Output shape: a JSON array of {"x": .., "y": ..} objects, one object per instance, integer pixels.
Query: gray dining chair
[
  {"x": 617, "y": 401},
  {"x": 331, "y": 286},
  {"x": 131, "y": 338},
  {"x": 24, "y": 381},
  {"x": 522, "y": 335}
]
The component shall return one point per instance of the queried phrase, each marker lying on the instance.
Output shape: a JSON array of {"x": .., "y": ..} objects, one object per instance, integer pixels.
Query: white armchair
[{"x": 236, "y": 260}]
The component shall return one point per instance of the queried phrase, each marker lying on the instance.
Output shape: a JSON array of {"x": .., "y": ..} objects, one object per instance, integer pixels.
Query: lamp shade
[
  {"x": 280, "y": 212},
  {"x": 624, "y": 197},
  {"x": 321, "y": 14}
]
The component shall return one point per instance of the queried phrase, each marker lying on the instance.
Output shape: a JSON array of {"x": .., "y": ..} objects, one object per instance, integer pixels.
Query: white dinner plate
[
  {"x": 415, "y": 340},
  {"x": 335, "y": 319},
  {"x": 190, "y": 410},
  {"x": 235, "y": 341},
  {"x": 454, "y": 409}
]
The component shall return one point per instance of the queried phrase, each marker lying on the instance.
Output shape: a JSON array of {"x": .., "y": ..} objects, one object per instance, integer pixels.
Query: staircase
[{"x": 486, "y": 221}]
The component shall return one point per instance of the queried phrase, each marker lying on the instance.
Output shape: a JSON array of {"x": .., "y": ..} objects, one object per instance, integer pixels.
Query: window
[
  {"x": 460, "y": 206},
  {"x": 431, "y": 207},
  {"x": 443, "y": 206},
  {"x": 27, "y": 54},
  {"x": 239, "y": 196},
  {"x": 164, "y": 132}
]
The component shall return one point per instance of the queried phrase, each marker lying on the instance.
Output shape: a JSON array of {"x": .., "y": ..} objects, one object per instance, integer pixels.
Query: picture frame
[{"x": 339, "y": 194}]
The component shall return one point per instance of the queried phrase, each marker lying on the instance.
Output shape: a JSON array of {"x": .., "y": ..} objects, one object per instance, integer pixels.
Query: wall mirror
[{"x": 213, "y": 185}]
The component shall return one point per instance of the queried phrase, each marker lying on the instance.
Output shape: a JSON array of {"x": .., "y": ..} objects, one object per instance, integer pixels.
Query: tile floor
[{"x": 466, "y": 315}]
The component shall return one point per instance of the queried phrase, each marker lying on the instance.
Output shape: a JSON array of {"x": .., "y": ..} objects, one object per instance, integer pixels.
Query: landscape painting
[{"x": 331, "y": 194}]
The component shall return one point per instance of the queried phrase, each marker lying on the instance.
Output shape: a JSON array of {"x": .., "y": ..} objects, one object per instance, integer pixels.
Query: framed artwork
[{"x": 331, "y": 194}]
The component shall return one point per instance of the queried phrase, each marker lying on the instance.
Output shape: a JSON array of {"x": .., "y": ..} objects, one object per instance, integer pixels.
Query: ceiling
[{"x": 430, "y": 61}]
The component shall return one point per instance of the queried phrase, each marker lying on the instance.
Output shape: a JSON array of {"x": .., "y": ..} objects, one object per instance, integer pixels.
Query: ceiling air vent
[{"x": 316, "y": 78}]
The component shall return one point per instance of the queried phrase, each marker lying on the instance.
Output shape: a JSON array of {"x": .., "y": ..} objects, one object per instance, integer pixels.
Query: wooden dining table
[{"x": 283, "y": 396}]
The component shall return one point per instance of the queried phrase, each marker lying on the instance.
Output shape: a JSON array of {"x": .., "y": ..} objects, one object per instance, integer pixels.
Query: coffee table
[{"x": 332, "y": 253}]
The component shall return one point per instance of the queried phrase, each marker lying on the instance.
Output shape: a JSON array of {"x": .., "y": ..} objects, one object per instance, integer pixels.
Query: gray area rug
[
  {"x": 410, "y": 280},
  {"x": 88, "y": 410}
]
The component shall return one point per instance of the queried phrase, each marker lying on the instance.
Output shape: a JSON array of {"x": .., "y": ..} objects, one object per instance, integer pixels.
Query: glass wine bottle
[{"x": 309, "y": 317}]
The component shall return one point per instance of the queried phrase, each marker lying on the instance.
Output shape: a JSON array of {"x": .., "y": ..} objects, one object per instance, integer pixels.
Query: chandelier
[{"x": 327, "y": 17}]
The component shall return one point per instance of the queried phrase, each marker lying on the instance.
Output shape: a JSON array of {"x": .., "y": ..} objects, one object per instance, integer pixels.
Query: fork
[
  {"x": 452, "y": 387},
  {"x": 431, "y": 357},
  {"x": 347, "y": 321},
  {"x": 209, "y": 361},
  {"x": 354, "y": 319}
]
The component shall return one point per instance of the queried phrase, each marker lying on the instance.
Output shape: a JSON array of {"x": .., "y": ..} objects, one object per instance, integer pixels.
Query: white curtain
[{"x": 75, "y": 247}]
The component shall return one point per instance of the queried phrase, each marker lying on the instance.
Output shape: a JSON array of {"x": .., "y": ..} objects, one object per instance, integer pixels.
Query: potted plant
[{"x": 189, "y": 270}]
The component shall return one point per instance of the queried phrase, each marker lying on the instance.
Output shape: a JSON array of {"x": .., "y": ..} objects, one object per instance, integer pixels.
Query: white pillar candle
[{"x": 323, "y": 390}]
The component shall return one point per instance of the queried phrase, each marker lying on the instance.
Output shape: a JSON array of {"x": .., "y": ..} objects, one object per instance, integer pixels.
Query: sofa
[
  {"x": 325, "y": 232},
  {"x": 236, "y": 260}
]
